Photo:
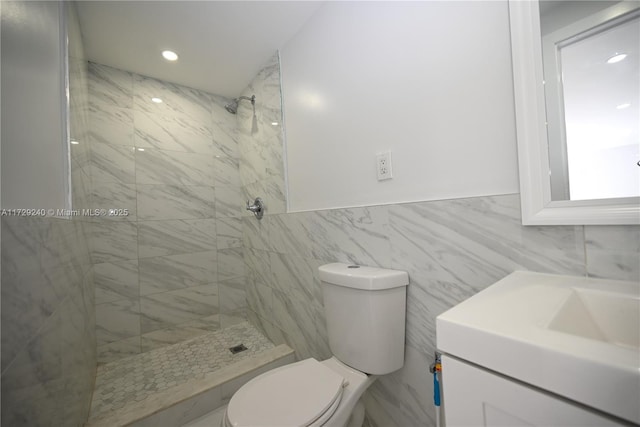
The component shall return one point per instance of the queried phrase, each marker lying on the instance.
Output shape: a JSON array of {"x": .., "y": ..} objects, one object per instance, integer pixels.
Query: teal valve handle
[{"x": 436, "y": 389}]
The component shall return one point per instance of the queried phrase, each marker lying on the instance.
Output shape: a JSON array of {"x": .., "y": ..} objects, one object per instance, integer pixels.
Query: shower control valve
[{"x": 257, "y": 207}]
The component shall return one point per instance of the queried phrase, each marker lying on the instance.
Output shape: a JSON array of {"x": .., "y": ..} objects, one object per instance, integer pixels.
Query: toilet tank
[{"x": 365, "y": 310}]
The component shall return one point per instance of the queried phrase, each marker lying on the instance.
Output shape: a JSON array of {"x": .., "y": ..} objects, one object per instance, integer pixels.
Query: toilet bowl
[
  {"x": 365, "y": 310},
  {"x": 306, "y": 393}
]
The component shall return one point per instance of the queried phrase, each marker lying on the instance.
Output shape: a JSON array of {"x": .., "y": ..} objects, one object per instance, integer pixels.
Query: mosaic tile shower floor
[{"x": 138, "y": 377}]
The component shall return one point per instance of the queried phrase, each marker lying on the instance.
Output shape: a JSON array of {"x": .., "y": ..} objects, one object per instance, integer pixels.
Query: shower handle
[{"x": 257, "y": 207}]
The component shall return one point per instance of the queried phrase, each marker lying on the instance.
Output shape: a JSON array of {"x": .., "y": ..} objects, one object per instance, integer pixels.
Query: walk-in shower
[{"x": 232, "y": 107}]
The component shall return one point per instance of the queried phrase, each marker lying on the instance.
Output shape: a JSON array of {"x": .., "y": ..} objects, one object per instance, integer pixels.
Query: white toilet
[{"x": 365, "y": 311}]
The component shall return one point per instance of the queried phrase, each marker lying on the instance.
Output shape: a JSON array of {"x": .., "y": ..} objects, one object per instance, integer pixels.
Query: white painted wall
[
  {"x": 430, "y": 81},
  {"x": 35, "y": 157}
]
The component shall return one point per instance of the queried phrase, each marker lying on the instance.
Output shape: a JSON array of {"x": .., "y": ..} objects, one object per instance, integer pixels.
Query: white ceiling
[{"x": 222, "y": 44}]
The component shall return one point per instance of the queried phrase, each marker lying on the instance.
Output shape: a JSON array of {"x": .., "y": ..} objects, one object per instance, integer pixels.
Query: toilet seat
[{"x": 300, "y": 394}]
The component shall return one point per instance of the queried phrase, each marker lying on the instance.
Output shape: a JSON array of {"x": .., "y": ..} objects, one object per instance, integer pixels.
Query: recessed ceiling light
[
  {"x": 623, "y": 106},
  {"x": 274, "y": 123},
  {"x": 616, "y": 58},
  {"x": 170, "y": 55},
  {"x": 140, "y": 149},
  {"x": 156, "y": 100},
  {"x": 74, "y": 142}
]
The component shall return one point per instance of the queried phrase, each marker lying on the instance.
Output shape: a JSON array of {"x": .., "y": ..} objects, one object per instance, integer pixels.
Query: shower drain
[{"x": 238, "y": 348}]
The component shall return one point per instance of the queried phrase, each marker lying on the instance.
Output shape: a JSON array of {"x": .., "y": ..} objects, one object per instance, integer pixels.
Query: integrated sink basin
[
  {"x": 610, "y": 317},
  {"x": 575, "y": 337}
]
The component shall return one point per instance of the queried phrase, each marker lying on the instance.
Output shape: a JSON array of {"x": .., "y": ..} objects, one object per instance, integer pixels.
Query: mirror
[{"x": 551, "y": 135}]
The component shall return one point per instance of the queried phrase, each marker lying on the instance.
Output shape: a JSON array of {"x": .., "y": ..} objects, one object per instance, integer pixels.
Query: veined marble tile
[
  {"x": 417, "y": 388},
  {"x": 260, "y": 300},
  {"x": 38, "y": 404},
  {"x": 38, "y": 361},
  {"x": 110, "y": 86},
  {"x": 224, "y": 127},
  {"x": 478, "y": 241},
  {"x": 29, "y": 299},
  {"x": 172, "y": 335},
  {"x": 177, "y": 101},
  {"x": 425, "y": 301},
  {"x": 63, "y": 243},
  {"x": 112, "y": 163},
  {"x": 80, "y": 153},
  {"x": 116, "y": 281},
  {"x": 110, "y": 124},
  {"x": 274, "y": 163},
  {"x": 255, "y": 233},
  {"x": 113, "y": 241},
  {"x": 233, "y": 295},
  {"x": 356, "y": 235},
  {"x": 258, "y": 266},
  {"x": 117, "y": 320},
  {"x": 296, "y": 276},
  {"x": 613, "y": 251},
  {"x": 382, "y": 403},
  {"x": 228, "y": 233},
  {"x": 267, "y": 115},
  {"x": 229, "y": 202},
  {"x": 77, "y": 338},
  {"x": 290, "y": 234},
  {"x": 248, "y": 123},
  {"x": 230, "y": 264},
  {"x": 115, "y": 195},
  {"x": 320, "y": 347},
  {"x": 22, "y": 240},
  {"x": 165, "y": 309},
  {"x": 165, "y": 273},
  {"x": 275, "y": 192},
  {"x": 453, "y": 249},
  {"x": 153, "y": 130},
  {"x": 118, "y": 349},
  {"x": 80, "y": 186},
  {"x": 251, "y": 167},
  {"x": 171, "y": 237},
  {"x": 233, "y": 318},
  {"x": 225, "y": 140},
  {"x": 207, "y": 323},
  {"x": 156, "y": 202},
  {"x": 296, "y": 319},
  {"x": 226, "y": 171},
  {"x": 271, "y": 190},
  {"x": 173, "y": 168}
]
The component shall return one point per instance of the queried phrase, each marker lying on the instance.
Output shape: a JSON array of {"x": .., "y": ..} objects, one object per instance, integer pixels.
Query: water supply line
[{"x": 435, "y": 369}]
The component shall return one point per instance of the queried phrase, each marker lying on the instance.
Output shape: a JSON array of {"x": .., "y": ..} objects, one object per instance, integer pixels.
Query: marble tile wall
[
  {"x": 48, "y": 333},
  {"x": 261, "y": 139},
  {"x": 173, "y": 268},
  {"x": 451, "y": 249}
]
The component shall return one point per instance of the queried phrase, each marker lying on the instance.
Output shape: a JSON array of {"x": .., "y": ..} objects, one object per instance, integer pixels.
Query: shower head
[{"x": 232, "y": 107}]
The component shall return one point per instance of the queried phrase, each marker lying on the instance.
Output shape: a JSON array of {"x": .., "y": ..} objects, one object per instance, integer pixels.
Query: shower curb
[{"x": 183, "y": 403}]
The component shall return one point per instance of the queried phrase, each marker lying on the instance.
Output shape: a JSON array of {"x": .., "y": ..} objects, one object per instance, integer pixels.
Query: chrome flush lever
[{"x": 257, "y": 207}]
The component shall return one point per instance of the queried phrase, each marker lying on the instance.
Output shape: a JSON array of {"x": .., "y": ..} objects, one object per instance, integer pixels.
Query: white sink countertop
[{"x": 574, "y": 336}]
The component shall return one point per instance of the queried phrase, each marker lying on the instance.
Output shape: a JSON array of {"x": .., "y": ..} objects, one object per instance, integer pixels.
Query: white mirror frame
[{"x": 533, "y": 153}]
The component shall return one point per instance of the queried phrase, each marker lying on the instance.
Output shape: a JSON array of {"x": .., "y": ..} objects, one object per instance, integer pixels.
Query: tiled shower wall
[
  {"x": 48, "y": 333},
  {"x": 260, "y": 141},
  {"x": 173, "y": 267}
]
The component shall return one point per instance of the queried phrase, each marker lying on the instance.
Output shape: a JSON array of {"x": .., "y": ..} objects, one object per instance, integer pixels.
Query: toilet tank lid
[{"x": 361, "y": 277}]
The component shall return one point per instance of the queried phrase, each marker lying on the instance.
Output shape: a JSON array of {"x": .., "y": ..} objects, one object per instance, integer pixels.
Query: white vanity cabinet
[
  {"x": 477, "y": 397},
  {"x": 543, "y": 350}
]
